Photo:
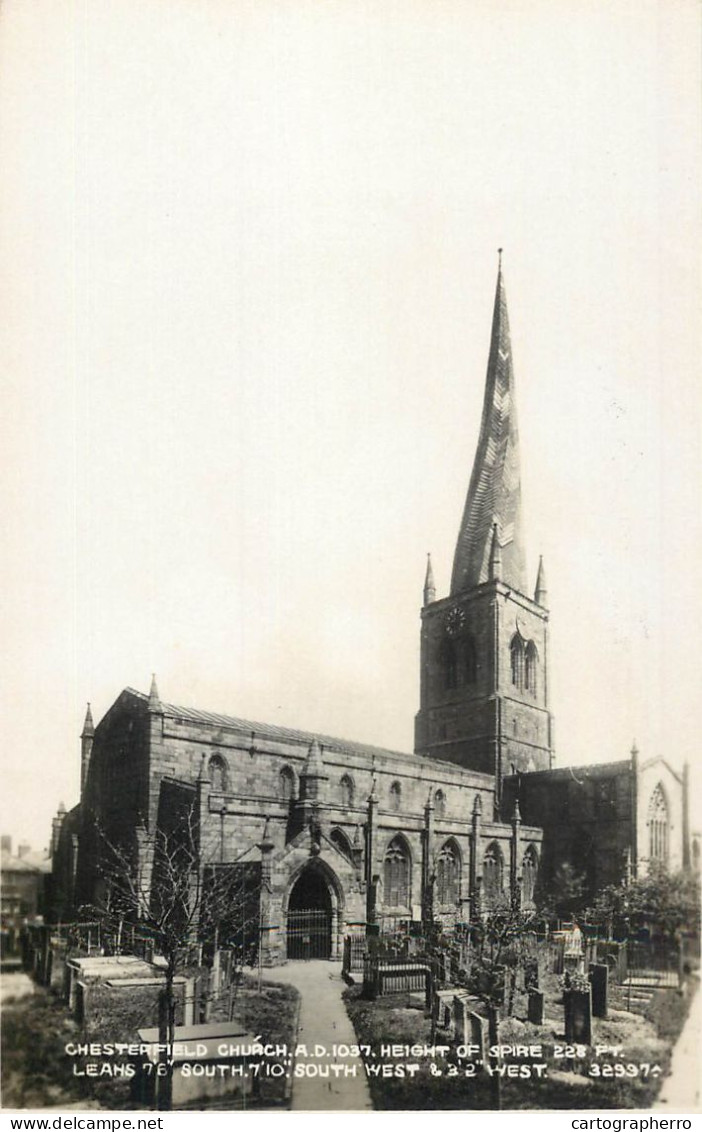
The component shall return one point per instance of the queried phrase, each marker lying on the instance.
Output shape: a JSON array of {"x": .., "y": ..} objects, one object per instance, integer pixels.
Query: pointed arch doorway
[{"x": 310, "y": 914}]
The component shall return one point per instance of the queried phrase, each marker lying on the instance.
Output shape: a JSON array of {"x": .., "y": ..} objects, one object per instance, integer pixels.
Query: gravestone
[
  {"x": 531, "y": 974},
  {"x": 460, "y": 1019},
  {"x": 535, "y": 1008},
  {"x": 599, "y": 979},
  {"x": 478, "y": 1034},
  {"x": 578, "y": 1016},
  {"x": 442, "y": 1007}
]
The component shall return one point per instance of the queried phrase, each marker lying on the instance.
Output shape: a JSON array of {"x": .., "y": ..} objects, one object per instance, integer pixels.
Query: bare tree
[
  {"x": 183, "y": 902},
  {"x": 501, "y": 942}
]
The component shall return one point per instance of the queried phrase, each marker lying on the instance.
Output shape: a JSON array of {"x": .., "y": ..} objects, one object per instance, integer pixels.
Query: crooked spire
[{"x": 494, "y": 494}]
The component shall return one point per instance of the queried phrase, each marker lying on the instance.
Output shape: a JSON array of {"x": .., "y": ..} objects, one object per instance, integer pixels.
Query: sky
[{"x": 248, "y": 253}]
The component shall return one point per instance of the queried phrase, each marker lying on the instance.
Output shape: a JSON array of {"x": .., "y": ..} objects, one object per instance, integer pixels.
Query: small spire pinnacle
[
  {"x": 88, "y": 726},
  {"x": 266, "y": 843},
  {"x": 541, "y": 589},
  {"x": 499, "y": 259},
  {"x": 314, "y": 763},
  {"x": 429, "y": 586},
  {"x": 516, "y": 814},
  {"x": 373, "y": 796},
  {"x": 203, "y": 774},
  {"x": 495, "y": 561},
  {"x": 154, "y": 701}
]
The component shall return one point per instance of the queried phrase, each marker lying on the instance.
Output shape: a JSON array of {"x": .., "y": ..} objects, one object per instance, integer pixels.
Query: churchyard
[
  {"x": 553, "y": 1030},
  {"x": 504, "y": 1012},
  {"x": 47, "y": 1039}
]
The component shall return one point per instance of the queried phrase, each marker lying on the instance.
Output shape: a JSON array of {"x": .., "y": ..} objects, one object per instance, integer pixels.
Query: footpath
[
  {"x": 324, "y": 1022},
  {"x": 680, "y": 1092}
]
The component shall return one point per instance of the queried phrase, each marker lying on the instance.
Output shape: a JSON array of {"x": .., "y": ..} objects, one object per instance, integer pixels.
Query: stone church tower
[{"x": 484, "y": 648}]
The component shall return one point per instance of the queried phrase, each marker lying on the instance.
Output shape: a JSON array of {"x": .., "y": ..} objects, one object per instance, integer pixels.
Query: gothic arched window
[
  {"x": 516, "y": 661},
  {"x": 449, "y": 664},
  {"x": 346, "y": 789},
  {"x": 493, "y": 871},
  {"x": 396, "y": 874},
  {"x": 658, "y": 826},
  {"x": 286, "y": 784},
  {"x": 530, "y": 665},
  {"x": 530, "y": 868},
  {"x": 339, "y": 838},
  {"x": 448, "y": 874},
  {"x": 217, "y": 768},
  {"x": 439, "y": 803},
  {"x": 395, "y": 796}
]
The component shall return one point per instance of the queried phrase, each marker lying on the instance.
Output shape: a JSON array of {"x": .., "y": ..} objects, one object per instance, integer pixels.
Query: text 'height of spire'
[{"x": 494, "y": 494}]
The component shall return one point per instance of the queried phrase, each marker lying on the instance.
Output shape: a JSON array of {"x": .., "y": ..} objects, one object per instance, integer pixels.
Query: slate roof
[
  {"x": 577, "y": 773},
  {"x": 293, "y": 735}
]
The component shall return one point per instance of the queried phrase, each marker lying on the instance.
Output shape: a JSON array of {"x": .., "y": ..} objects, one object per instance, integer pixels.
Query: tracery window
[
  {"x": 658, "y": 826},
  {"x": 530, "y": 665},
  {"x": 516, "y": 661},
  {"x": 493, "y": 871},
  {"x": 448, "y": 875},
  {"x": 396, "y": 874}
]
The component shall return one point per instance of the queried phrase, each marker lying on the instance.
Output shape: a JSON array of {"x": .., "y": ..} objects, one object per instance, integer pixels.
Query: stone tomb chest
[{"x": 210, "y": 1066}]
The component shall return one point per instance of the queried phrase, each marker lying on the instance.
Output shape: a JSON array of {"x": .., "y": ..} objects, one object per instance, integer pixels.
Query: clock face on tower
[{"x": 455, "y": 621}]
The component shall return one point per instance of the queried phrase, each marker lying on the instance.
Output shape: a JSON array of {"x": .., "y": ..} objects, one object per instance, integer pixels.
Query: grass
[
  {"x": 647, "y": 1037},
  {"x": 37, "y": 1072}
]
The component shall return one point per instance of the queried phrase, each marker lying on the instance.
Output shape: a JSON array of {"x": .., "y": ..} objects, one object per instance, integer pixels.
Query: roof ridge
[{"x": 284, "y": 732}]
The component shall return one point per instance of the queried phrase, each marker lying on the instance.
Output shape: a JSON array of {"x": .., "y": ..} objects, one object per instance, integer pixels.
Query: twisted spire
[{"x": 494, "y": 494}]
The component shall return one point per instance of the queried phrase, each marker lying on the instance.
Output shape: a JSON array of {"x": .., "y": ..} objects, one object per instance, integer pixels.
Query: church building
[{"x": 345, "y": 837}]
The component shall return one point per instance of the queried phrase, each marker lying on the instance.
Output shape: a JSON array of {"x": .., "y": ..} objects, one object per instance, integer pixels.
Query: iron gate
[{"x": 309, "y": 934}]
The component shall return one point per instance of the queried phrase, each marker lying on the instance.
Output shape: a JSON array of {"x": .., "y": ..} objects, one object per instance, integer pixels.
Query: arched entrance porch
[{"x": 312, "y": 914}]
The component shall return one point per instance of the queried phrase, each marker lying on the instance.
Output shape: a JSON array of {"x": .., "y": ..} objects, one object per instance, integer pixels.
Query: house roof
[
  {"x": 578, "y": 773},
  {"x": 30, "y": 863}
]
